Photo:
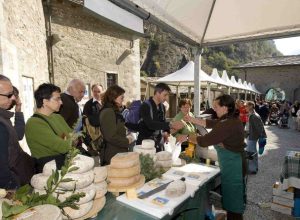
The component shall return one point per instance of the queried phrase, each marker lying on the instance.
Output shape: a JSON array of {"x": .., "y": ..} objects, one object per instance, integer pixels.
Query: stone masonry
[
  {"x": 88, "y": 48},
  {"x": 286, "y": 78}
]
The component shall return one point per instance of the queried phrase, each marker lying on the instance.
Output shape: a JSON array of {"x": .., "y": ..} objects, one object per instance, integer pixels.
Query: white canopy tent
[{"x": 216, "y": 22}]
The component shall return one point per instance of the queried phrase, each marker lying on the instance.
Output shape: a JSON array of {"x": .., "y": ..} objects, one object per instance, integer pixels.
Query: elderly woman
[
  {"x": 112, "y": 124},
  {"x": 227, "y": 136},
  {"x": 46, "y": 132},
  {"x": 185, "y": 106}
]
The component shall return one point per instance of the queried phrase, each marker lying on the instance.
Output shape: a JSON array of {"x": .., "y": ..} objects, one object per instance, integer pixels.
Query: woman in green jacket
[
  {"x": 227, "y": 136},
  {"x": 112, "y": 124}
]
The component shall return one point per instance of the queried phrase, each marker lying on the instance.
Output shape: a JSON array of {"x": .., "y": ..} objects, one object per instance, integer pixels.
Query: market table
[
  {"x": 290, "y": 173},
  {"x": 191, "y": 208}
]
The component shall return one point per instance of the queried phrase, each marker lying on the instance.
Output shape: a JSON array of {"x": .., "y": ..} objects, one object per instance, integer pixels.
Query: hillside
[{"x": 162, "y": 53}]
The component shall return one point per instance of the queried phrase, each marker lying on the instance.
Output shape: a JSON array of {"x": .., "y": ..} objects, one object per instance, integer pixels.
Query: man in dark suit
[
  {"x": 70, "y": 110},
  {"x": 92, "y": 107}
]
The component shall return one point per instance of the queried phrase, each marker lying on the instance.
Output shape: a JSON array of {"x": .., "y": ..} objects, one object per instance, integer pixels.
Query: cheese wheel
[
  {"x": 164, "y": 163},
  {"x": 139, "y": 149},
  {"x": 101, "y": 189},
  {"x": 148, "y": 143},
  {"x": 125, "y": 160},
  {"x": 127, "y": 172},
  {"x": 100, "y": 174},
  {"x": 163, "y": 155},
  {"x": 84, "y": 164},
  {"x": 80, "y": 181},
  {"x": 176, "y": 188},
  {"x": 83, "y": 209},
  {"x": 41, "y": 212},
  {"x": 123, "y": 182},
  {"x": 39, "y": 181}
]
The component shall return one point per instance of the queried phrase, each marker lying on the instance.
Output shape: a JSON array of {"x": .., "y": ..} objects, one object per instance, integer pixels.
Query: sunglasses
[{"x": 7, "y": 95}]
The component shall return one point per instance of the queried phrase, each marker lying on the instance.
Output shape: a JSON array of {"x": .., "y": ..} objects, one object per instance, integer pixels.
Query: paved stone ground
[{"x": 270, "y": 163}]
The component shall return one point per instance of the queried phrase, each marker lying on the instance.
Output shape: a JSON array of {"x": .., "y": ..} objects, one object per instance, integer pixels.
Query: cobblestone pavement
[{"x": 259, "y": 187}]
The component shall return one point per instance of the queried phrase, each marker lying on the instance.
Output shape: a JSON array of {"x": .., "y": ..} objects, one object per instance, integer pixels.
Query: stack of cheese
[
  {"x": 164, "y": 160},
  {"x": 124, "y": 172},
  {"x": 83, "y": 181},
  {"x": 147, "y": 147}
]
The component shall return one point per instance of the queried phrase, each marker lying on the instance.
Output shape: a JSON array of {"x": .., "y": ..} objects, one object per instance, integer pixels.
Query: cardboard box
[
  {"x": 283, "y": 201},
  {"x": 282, "y": 209},
  {"x": 278, "y": 191}
]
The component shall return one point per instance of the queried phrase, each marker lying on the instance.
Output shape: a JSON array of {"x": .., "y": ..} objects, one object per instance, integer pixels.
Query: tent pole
[
  {"x": 208, "y": 94},
  {"x": 197, "y": 81},
  {"x": 189, "y": 92},
  {"x": 177, "y": 99},
  {"x": 229, "y": 88},
  {"x": 239, "y": 94}
]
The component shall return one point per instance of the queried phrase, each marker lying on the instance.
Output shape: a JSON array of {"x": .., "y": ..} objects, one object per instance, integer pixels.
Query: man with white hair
[{"x": 70, "y": 110}]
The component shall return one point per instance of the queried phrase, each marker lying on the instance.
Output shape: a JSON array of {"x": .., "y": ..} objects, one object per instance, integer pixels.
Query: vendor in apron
[{"x": 227, "y": 136}]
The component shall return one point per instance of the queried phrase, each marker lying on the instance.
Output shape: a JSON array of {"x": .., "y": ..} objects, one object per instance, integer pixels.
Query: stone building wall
[
  {"x": 285, "y": 77},
  {"x": 87, "y": 48},
  {"x": 23, "y": 47}
]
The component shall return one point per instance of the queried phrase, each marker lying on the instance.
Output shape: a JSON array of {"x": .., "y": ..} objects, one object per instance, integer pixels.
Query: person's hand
[
  {"x": 166, "y": 136},
  {"x": 192, "y": 138},
  {"x": 18, "y": 104},
  {"x": 181, "y": 138},
  {"x": 176, "y": 125},
  {"x": 130, "y": 138},
  {"x": 188, "y": 118}
]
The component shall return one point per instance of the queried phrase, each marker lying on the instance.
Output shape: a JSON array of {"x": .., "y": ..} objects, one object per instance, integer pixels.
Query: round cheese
[
  {"x": 83, "y": 210},
  {"x": 125, "y": 160},
  {"x": 176, "y": 188},
  {"x": 164, "y": 163},
  {"x": 126, "y": 172},
  {"x": 39, "y": 181},
  {"x": 84, "y": 164},
  {"x": 41, "y": 212},
  {"x": 100, "y": 174},
  {"x": 123, "y": 182},
  {"x": 101, "y": 189},
  {"x": 148, "y": 143},
  {"x": 163, "y": 155},
  {"x": 80, "y": 181},
  {"x": 139, "y": 149}
]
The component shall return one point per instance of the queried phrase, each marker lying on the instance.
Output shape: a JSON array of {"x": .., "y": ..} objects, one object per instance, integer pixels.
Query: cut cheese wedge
[
  {"x": 83, "y": 163},
  {"x": 125, "y": 160},
  {"x": 123, "y": 173},
  {"x": 176, "y": 189},
  {"x": 83, "y": 210},
  {"x": 123, "y": 182},
  {"x": 100, "y": 174}
]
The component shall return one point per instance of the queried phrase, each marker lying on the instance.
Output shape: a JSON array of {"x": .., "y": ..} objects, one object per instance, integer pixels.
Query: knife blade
[{"x": 156, "y": 190}]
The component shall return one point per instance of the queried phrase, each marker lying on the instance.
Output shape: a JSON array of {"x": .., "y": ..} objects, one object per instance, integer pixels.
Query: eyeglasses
[{"x": 7, "y": 95}]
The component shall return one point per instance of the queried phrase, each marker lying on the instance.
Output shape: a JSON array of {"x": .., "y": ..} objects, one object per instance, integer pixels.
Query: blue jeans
[{"x": 251, "y": 147}]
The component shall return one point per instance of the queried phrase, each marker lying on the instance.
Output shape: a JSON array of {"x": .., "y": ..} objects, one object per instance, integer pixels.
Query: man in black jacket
[
  {"x": 70, "y": 110},
  {"x": 16, "y": 167},
  {"x": 153, "y": 124}
]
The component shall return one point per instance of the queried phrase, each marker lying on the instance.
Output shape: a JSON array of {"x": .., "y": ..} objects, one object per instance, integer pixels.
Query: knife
[{"x": 156, "y": 190}]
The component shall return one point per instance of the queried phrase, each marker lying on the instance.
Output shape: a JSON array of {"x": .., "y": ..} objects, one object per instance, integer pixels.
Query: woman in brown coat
[{"x": 112, "y": 124}]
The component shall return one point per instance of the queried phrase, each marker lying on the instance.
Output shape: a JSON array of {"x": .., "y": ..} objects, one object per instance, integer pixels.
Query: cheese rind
[
  {"x": 125, "y": 160},
  {"x": 123, "y": 173},
  {"x": 41, "y": 212},
  {"x": 100, "y": 174},
  {"x": 83, "y": 163},
  {"x": 139, "y": 149},
  {"x": 164, "y": 163},
  {"x": 163, "y": 155},
  {"x": 123, "y": 182},
  {"x": 101, "y": 189},
  {"x": 148, "y": 143}
]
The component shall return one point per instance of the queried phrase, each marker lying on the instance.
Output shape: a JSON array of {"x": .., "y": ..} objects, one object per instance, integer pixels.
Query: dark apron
[{"x": 232, "y": 182}]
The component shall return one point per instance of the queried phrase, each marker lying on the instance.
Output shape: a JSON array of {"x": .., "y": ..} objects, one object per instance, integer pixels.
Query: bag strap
[{"x": 44, "y": 119}]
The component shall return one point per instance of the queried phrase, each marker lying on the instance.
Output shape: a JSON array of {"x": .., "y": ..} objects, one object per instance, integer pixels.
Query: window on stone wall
[{"x": 111, "y": 79}]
